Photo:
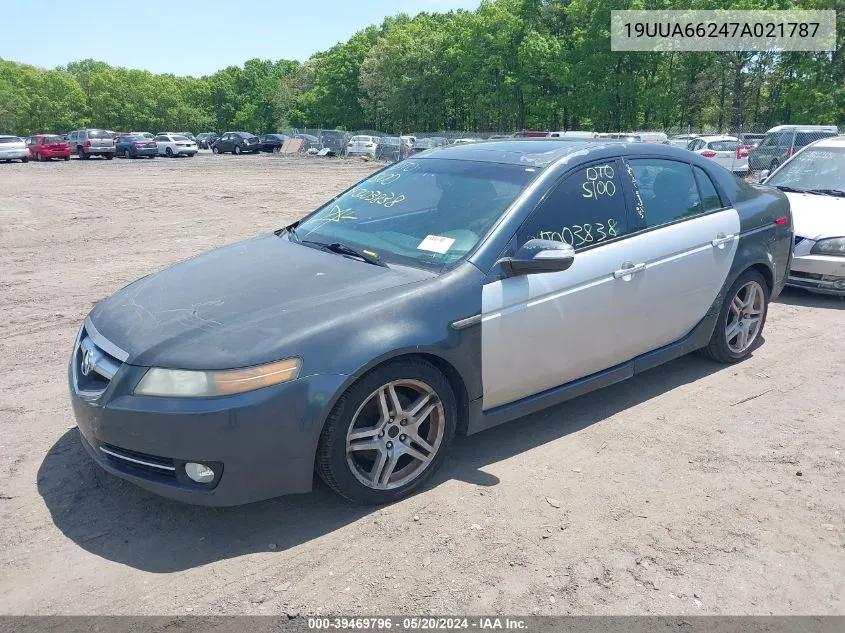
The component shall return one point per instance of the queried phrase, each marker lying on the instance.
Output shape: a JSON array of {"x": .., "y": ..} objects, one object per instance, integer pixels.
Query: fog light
[{"x": 200, "y": 473}]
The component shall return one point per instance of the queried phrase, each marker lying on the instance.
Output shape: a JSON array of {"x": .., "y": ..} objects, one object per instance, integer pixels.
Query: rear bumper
[
  {"x": 54, "y": 153},
  {"x": 98, "y": 150},
  {"x": 14, "y": 154}
]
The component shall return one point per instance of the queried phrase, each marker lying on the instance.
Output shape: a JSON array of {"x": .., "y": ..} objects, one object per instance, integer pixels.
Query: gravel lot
[{"x": 695, "y": 488}]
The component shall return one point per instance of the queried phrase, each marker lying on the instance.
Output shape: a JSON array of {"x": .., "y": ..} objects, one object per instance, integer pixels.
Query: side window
[
  {"x": 785, "y": 139},
  {"x": 72, "y": 136},
  {"x": 709, "y": 196},
  {"x": 667, "y": 189},
  {"x": 768, "y": 141},
  {"x": 587, "y": 207}
]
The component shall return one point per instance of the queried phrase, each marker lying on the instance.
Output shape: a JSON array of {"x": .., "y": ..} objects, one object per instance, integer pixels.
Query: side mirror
[
  {"x": 761, "y": 177},
  {"x": 539, "y": 256}
]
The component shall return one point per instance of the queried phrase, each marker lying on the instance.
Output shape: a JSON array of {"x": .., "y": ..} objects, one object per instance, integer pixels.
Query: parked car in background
[
  {"x": 309, "y": 142},
  {"x": 430, "y": 142},
  {"x": 13, "y": 148},
  {"x": 92, "y": 142},
  {"x": 47, "y": 146},
  {"x": 782, "y": 141},
  {"x": 751, "y": 139},
  {"x": 172, "y": 145},
  {"x": 464, "y": 141},
  {"x": 132, "y": 146},
  {"x": 236, "y": 143},
  {"x": 205, "y": 139},
  {"x": 335, "y": 140},
  {"x": 272, "y": 142},
  {"x": 530, "y": 134},
  {"x": 579, "y": 134},
  {"x": 653, "y": 137},
  {"x": 362, "y": 145},
  {"x": 188, "y": 135},
  {"x": 681, "y": 140},
  {"x": 233, "y": 376},
  {"x": 620, "y": 136},
  {"x": 391, "y": 148},
  {"x": 727, "y": 151},
  {"x": 814, "y": 181}
]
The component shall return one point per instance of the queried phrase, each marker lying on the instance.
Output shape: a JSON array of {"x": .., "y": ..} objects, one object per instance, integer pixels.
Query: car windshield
[
  {"x": 98, "y": 134},
  {"x": 814, "y": 168},
  {"x": 423, "y": 213},
  {"x": 131, "y": 138}
]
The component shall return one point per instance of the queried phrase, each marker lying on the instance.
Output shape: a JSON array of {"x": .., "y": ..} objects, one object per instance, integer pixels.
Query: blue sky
[{"x": 189, "y": 37}]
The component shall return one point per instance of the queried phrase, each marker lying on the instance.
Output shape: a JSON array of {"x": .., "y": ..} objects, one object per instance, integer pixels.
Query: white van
[{"x": 572, "y": 134}]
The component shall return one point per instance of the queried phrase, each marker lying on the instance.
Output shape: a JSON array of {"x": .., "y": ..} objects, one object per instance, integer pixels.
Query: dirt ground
[{"x": 692, "y": 489}]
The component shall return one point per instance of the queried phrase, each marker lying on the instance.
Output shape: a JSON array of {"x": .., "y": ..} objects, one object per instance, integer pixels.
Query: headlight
[
  {"x": 830, "y": 246},
  {"x": 185, "y": 383}
]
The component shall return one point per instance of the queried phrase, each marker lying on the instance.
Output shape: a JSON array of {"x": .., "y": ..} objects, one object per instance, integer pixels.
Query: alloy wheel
[
  {"x": 395, "y": 434},
  {"x": 745, "y": 317}
]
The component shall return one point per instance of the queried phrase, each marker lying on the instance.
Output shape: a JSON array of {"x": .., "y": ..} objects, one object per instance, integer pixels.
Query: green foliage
[{"x": 510, "y": 64}]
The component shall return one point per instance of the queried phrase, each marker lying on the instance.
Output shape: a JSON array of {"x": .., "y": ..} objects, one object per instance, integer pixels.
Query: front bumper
[
  {"x": 824, "y": 274},
  {"x": 260, "y": 444}
]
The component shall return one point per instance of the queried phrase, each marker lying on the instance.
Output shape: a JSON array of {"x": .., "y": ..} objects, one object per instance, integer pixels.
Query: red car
[{"x": 46, "y": 146}]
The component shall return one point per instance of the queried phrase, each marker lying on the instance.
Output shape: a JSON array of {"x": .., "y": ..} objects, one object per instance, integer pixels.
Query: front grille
[
  {"x": 135, "y": 461},
  {"x": 93, "y": 366}
]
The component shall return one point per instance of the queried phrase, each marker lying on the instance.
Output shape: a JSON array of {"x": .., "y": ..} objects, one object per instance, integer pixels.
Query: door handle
[
  {"x": 628, "y": 269},
  {"x": 722, "y": 239}
]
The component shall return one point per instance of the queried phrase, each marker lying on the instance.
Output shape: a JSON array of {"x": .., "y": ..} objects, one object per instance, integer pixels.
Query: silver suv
[{"x": 87, "y": 143}]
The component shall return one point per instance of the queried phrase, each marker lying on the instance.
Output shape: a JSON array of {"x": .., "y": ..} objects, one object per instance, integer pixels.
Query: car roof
[
  {"x": 803, "y": 128},
  {"x": 716, "y": 137}
]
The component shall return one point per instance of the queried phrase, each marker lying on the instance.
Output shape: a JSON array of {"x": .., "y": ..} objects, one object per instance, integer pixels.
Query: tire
[
  {"x": 346, "y": 472},
  {"x": 720, "y": 348},
  {"x": 67, "y": 157},
  {"x": 215, "y": 150},
  {"x": 773, "y": 165},
  {"x": 38, "y": 157},
  {"x": 126, "y": 154},
  {"x": 25, "y": 159},
  {"x": 109, "y": 156},
  {"x": 168, "y": 152},
  {"x": 236, "y": 150},
  {"x": 81, "y": 153}
]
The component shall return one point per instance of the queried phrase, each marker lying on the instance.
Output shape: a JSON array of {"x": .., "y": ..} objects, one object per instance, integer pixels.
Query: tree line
[{"x": 508, "y": 65}]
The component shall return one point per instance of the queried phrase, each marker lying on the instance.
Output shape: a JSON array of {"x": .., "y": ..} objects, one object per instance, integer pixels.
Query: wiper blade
[
  {"x": 290, "y": 230},
  {"x": 790, "y": 189},
  {"x": 827, "y": 192},
  {"x": 343, "y": 249}
]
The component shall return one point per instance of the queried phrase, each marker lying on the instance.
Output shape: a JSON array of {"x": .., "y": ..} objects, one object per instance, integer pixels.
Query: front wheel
[
  {"x": 236, "y": 150},
  {"x": 388, "y": 433},
  {"x": 169, "y": 152},
  {"x": 67, "y": 157},
  {"x": 741, "y": 319},
  {"x": 215, "y": 150}
]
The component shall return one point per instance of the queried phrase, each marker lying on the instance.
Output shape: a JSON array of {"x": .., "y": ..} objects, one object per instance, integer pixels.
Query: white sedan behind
[
  {"x": 13, "y": 148},
  {"x": 728, "y": 151},
  {"x": 172, "y": 145},
  {"x": 814, "y": 181}
]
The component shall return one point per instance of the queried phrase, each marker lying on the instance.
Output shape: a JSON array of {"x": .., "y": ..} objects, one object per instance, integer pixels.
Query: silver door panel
[{"x": 544, "y": 330}]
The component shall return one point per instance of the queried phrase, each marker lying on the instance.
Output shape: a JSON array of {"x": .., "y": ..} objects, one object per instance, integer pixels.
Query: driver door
[{"x": 543, "y": 330}]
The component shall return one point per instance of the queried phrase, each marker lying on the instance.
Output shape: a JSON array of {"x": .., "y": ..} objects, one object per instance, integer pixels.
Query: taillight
[
  {"x": 781, "y": 221},
  {"x": 708, "y": 153},
  {"x": 138, "y": 143},
  {"x": 791, "y": 152},
  {"x": 742, "y": 151},
  {"x": 87, "y": 143}
]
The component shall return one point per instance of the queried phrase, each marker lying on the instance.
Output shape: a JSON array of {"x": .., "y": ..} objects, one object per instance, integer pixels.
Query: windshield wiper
[
  {"x": 343, "y": 249},
  {"x": 790, "y": 189},
  {"x": 290, "y": 230},
  {"x": 827, "y": 192}
]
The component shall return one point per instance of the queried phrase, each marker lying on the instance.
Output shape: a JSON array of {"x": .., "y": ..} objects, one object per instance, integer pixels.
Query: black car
[
  {"x": 237, "y": 143},
  {"x": 391, "y": 148},
  {"x": 309, "y": 141},
  {"x": 205, "y": 139},
  {"x": 129, "y": 146},
  {"x": 273, "y": 142},
  {"x": 335, "y": 140},
  {"x": 444, "y": 294}
]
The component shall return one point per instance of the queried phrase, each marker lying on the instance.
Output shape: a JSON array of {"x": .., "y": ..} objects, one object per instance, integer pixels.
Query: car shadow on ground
[
  {"x": 798, "y": 297},
  {"x": 120, "y": 522}
]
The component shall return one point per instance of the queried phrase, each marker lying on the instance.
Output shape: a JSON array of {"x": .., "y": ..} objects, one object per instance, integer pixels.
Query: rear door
[{"x": 684, "y": 247}]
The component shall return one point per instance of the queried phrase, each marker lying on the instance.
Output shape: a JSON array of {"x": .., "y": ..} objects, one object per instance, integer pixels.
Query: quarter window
[
  {"x": 586, "y": 208},
  {"x": 709, "y": 196},
  {"x": 667, "y": 190}
]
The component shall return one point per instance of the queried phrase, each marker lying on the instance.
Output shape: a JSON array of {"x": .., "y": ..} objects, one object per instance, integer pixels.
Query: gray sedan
[{"x": 444, "y": 294}]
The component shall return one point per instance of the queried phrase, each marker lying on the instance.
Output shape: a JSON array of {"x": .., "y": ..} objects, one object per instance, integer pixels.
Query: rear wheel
[
  {"x": 25, "y": 159},
  {"x": 236, "y": 150},
  {"x": 215, "y": 150},
  {"x": 81, "y": 153},
  {"x": 388, "y": 433},
  {"x": 109, "y": 156},
  {"x": 126, "y": 154},
  {"x": 741, "y": 319},
  {"x": 169, "y": 152},
  {"x": 67, "y": 157}
]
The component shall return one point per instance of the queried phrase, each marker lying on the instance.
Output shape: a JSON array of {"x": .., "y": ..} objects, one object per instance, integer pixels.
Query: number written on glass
[{"x": 579, "y": 235}]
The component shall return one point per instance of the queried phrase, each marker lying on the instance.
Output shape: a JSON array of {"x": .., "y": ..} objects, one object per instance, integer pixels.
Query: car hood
[
  {"x": 241, "y": 305},
  {"x": 815, "y": 216}
]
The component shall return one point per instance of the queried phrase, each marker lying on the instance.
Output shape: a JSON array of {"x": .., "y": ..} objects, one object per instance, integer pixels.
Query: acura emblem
[{"x": 88, "y": 362}]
